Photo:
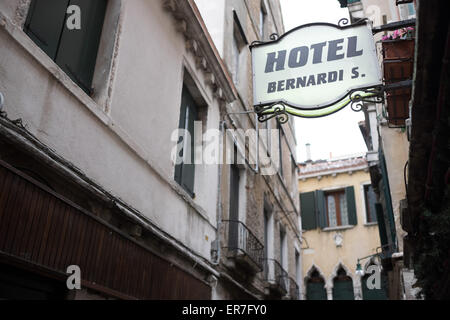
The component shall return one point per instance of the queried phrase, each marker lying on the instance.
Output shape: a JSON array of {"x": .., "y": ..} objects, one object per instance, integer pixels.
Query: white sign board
[{"x": 314, "y": 66}]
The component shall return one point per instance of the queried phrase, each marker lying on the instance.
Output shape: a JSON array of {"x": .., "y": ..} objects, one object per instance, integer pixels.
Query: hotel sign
[{"x": 314, "y": 66}]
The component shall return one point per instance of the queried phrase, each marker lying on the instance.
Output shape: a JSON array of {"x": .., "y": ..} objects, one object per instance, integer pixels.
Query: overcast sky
[{"x": 337, "y": 134}]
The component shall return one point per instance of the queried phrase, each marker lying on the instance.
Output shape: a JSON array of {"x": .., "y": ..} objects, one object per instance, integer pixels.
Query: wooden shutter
[
  {"x": 180, "y": 146},
  {"x": 387, "y": 197},
  {"x": 316, "y": 291},
  {"x": 343, "y": 290},
  {"x": 234, "y": 207},
  {"x": 308, "y": 210},
  {"x": 78, "y": 49},
  {"x": 185, "y": 172},
  {"x": 351, "y": 206},
  {"x": 188, "y": 171},
  {"x": 381, "y": 224},
  {"x": 45, "y": 23},
  {"x": 321, "y": 209}
]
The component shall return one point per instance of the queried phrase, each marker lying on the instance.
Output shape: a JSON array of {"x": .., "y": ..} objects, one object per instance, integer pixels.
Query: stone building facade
[
  {"x": 388, "y": 145},
  {"x": 90, "y": 148},
  {"x": 340, "y": 230}
]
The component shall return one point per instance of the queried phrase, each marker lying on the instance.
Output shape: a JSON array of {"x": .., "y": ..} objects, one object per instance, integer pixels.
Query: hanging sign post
[{"x": 315, "y": 69}]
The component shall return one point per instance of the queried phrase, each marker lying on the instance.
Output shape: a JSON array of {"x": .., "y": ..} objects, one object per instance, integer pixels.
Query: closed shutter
[
  {"x": 316, "y": 291},
  {"x": 308, "y": 210},
  {"x": 387, "y": 197},
  {"x": 188, "y": 173},
  {"x": 351, "y": 206},
  {"x": 343, "y": 290},
  {"x": 381, "y": 224},
  {"x": 234, "y": 207},
  {"x": 45, "y": 23},
  {"x": 185, "y": 172},
  {"x": 181, "y": 139},
  {"x": 78, "y": 48},
  {"x": 321, "y": 209}
]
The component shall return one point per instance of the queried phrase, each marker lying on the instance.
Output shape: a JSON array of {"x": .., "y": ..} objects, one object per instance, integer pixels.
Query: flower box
[
  {"x": 398, "y": 49},
  {"x": 398, "y": 106},
  {"x": 398, "y": 60}
]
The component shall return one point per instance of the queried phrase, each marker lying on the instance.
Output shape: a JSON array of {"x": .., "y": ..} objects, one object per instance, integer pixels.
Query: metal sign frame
[{"x": 355, "y": 96}]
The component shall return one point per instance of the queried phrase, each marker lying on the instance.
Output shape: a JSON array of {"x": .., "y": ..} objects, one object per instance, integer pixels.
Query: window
[
  {"x": 315, "y": 287},
  {"x": 234, "y": 192},
  {"x": 280, "y": 148},
  {"x": 328, "y": 209},
  {"x": 236, "y": 56},
  {"x": 343, "y": 286},
  {"x": 370, "y": 200},
  {"x": 74, "y": 50},
  {"x": 336, "y": 208},
  {"x": 262, "y": 20},
  {"x": 283, "y": 248},
  {"x": 237, "y": 47},
  {"x": 185, "y": 171}
]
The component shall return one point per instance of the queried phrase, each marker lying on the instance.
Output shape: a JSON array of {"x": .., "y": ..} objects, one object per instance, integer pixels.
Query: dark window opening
[
  {"x": 185, "y": 170},
  {"x": 73, "y": 50}
]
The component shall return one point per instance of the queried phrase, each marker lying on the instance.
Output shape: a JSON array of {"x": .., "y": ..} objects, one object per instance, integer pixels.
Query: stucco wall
[
  {"x": 358, "y": 241},
  {"x": 127, "y": 149}
]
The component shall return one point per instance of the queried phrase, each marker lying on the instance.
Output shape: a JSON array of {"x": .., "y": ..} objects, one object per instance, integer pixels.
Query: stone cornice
[{"x": 198, "y": 40}]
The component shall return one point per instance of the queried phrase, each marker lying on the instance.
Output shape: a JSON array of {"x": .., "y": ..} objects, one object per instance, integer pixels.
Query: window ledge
[
  {"x": 368, "y": 224},
  {"x": 47, "y": 63},
  {"x": 338, "y": 228}
]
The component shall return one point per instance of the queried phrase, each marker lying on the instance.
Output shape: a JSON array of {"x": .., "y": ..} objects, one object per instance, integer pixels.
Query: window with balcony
[{"x": 73, "y": 49}]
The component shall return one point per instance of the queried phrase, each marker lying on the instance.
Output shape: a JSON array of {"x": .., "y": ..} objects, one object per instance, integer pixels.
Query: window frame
[
  {"x": 336, "y": 194},
  {"x": 365, "y": 206},
  {"x": 79, "y": 75}
]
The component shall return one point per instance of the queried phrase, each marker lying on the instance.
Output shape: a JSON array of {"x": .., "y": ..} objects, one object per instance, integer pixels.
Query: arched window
[
  {"x": 315, "y": 287},
  {"x": 343, "y": 286}
]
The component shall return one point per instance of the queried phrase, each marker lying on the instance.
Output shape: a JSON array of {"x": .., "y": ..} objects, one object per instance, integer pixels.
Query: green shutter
[
  {"x": 181, "y": 125},
  {"x": 185, "y": 172},
  {"x": 45, "y": 23},
  {"x": 387, "y": 197},
  {"x": 381, "y": 224},
  {"x": 308, "y": 210},
  {"x": 343, "y": 290},
  {"x": 78, "y": 49},
  {"x": 316, "y": 291},
  {"x": 234, "y": 207},
  {"x": 321, "y": 209},
  {"x": 351, "y": 206}
]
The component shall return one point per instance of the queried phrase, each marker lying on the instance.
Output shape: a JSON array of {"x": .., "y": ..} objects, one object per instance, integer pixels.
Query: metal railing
[
  {"x": 275, "y": 274},
  {"x": 241, "y": 240},
  {"x": 294, "y": 290}
]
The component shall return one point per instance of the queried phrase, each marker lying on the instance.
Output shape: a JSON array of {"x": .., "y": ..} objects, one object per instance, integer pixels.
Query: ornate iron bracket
[
  {"x": 279, "y": 112},
  {"x": 368, "y": 95}
]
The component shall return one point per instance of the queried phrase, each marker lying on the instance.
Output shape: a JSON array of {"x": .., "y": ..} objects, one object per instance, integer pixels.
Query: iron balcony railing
[
  {"x": 242, "y": 241},
  {"x": 294, "y": 290},
  {"x": 276, "y": 275}
]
